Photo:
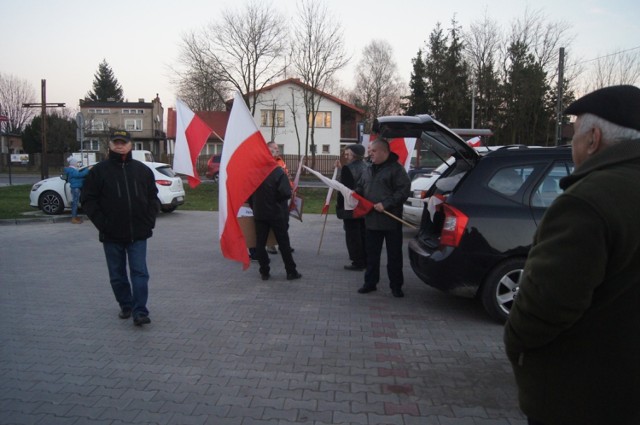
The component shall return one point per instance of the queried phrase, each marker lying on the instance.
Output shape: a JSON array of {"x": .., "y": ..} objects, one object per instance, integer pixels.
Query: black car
[{"x": 478, "y": 226}]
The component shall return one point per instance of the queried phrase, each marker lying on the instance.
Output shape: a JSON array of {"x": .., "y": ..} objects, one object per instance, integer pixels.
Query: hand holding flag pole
[{"x": 352, "y": 201}]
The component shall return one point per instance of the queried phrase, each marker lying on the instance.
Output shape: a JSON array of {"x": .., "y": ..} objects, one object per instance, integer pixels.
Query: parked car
[
  {"x": 213, "y": 168},
  {"x": 53, "y": 195},
  {"x": 483, "y": 210},
  {"x": 413, "y": 206}
]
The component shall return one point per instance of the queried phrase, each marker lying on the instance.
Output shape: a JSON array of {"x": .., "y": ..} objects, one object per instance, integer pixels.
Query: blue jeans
[
  {"x": 134, "y": 295},
  {"x": 75, "y": 196}
]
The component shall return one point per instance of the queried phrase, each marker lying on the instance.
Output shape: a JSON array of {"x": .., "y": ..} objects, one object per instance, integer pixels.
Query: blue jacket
[{"x": 76, "y": 177}]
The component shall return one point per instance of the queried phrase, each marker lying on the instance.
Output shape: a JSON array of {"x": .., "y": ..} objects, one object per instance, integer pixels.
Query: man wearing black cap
[
  {"x": 354, "y": 228},
  {"x": 121, "y": 199},
  {"x": 573, "y": 334}
]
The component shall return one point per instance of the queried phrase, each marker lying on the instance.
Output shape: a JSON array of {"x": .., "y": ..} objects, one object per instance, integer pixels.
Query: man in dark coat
[
  {"x": 354, "y": 228},
  {"x": 573, "y": 334},
  {"x": 385, "y": 183},
  {"x": 271, "y": 211},
  {"x": 121, "y": 199}
]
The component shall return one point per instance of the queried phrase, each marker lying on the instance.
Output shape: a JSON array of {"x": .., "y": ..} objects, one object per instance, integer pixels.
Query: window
[
  {"x": 133, "y": 125},
  {"x": 99, "y": 125},
  {"x": 91, "y": 145},
  {"x": 549, "y": 187},
  {"x": 133, "y": 111},
  {"x": 326, "y": 149},
  {"x": 138, "y": 146},
  {"x": 509, "y": 180},
  {"x": 99, "y": 111},
  {"x": 323, "y": 120},
  {"x": 267, "y": 118}
]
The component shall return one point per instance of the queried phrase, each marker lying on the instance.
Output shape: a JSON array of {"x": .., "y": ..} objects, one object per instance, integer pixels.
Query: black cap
[
  {"x": 357, "y": 149},
  {"x": 120, "y": 135},
  {"x": 617, "y": 104}
]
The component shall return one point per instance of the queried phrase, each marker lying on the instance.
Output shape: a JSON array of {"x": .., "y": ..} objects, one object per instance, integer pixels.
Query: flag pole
[
  {"x": 399, "y": 219},
  {"x": 327, "y": 202}
]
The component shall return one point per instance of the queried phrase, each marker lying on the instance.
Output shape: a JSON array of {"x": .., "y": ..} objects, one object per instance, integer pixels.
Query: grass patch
[{"x": 14, "y": 200}]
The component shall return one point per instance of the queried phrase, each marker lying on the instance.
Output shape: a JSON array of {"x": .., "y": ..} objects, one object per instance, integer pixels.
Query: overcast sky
[{"x": 65, "y": 41}]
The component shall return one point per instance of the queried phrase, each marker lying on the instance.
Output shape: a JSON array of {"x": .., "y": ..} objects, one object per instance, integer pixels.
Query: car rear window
[
  {"x": 166, "y": 170},
  {"x": 508, "y": 181}
]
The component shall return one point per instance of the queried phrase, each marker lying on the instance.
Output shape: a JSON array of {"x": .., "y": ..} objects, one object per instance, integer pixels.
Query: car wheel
[
  {"x": 51, "y": 203},
  {"x": 168, "y": 209},
  {"x": 215, "y": 177},
  {"x": 500, "y": 288}
]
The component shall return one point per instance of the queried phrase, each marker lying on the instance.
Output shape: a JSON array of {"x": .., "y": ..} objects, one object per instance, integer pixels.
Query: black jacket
[
  {"x": 121, "y": 199},
  {"x": 270, "y": 200},
  {"x": 387, "y": 183},
  {"x": 350, "y": 176}
]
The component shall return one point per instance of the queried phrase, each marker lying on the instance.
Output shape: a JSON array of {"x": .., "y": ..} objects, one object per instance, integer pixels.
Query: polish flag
[
  {"x": 352, "y": 201},
  {"x": 475, "y": 142},
  {"x": 327, "y": 201},
  {"x": 191, "y": 135},
  {"x": 403, "y": 147},
  {"x": 244, "y": 164}
]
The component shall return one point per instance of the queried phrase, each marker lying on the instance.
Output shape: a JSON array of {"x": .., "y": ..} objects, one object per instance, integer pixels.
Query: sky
[{"x": 64, "y": 41}]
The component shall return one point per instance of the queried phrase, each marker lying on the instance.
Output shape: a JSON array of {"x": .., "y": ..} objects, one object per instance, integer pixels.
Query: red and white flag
[
  {"x": 327, "y": 201},
  {"x": 401, "y": 146},
  {"x": 191, "y": 135},
  {"x": 244, "y": 164},
  {"x": 475, "y": 142},
  {"x": 352, "y": 201}
]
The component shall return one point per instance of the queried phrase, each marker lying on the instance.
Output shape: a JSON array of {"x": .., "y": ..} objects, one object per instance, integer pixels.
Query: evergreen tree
[
  {"x": 417, "y": 101},
  {"x": 456, "y": 108},
  {"x": 105, "y": 85},
  {"x": 434, "y": 71},
  {"x": 61, "y": 135}
]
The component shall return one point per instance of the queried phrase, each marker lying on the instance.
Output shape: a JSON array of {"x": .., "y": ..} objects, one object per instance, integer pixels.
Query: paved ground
[{"x": 225, "y": 347}]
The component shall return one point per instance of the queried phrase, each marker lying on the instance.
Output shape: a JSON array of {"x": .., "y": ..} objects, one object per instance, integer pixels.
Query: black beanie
[{"x": 358, "y": 150}]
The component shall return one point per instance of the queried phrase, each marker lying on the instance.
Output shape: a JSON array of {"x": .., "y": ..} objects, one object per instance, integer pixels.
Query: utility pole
[
  {"x": 560, "y": 94},
  {"x": 44, "y": 168}
]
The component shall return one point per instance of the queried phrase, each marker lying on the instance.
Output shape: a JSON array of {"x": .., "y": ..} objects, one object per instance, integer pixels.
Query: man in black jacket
[
  {"x": 120, "y": 197},
  {"x": 354, "y": 228},
  {"x": 271, "y": 211},
  {"x": 386, "y": 184}
]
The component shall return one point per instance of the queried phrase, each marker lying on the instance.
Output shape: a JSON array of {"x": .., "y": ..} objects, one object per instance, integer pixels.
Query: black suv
[{"x": 476, "y": 231}]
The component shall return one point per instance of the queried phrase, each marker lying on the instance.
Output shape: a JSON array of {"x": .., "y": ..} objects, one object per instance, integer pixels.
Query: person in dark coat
[
  {"x": 573, "y": 333},
  {"x": 385, "y": 183},
  {"x": 121, "y": 199},
  {"x": 270, "y": 204},
  {"x": 354, "y": 228}
]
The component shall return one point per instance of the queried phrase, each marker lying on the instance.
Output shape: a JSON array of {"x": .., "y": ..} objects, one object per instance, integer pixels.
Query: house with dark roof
[{"x": 281, "y": 117}]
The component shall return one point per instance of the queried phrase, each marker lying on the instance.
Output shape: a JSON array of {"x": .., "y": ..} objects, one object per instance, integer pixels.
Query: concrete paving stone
[
  {"x": 386, "y": 419},
  {"x": 220, "y": 333},
  {"x": 445, "y": 420},
  {"x": 182, "y": 419},
  {"x": 280, "y": 414}
]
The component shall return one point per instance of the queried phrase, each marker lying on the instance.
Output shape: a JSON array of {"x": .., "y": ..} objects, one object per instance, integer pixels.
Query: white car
[
  {"x": 53, "y": 195},
  {"x": 413, "y": 206}
]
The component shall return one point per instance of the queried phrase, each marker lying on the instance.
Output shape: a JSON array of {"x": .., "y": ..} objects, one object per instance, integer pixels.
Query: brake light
[
  {"x": 164, "y": 182},
  {"x": 453, "y": 227}
]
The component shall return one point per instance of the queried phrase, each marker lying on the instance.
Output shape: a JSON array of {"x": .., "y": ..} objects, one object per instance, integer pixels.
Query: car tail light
[
  {"x": 164, "y": 182},
  {"x": 453, "y": 227}
]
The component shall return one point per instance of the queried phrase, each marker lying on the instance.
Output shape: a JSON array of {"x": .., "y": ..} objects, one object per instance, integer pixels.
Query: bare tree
[
  {"x": 622, "y": 67},
  {"x": 318, "y": 52},
  {"x": 244, "y": 50},
  {"x": 379, "y": 89},
  {"x": 13, "y": 93}
]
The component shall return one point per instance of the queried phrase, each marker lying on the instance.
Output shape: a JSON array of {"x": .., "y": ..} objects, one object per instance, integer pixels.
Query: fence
[{"x": 323, "y": 163}]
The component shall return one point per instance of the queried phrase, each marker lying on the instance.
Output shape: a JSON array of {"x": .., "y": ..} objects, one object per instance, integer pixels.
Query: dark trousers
[
  {"x": 393, "y": 241},
  {"x": 533, "y": 422},
  {"x": 279, "y": 228},
  {"x": 354, "y": 232}
]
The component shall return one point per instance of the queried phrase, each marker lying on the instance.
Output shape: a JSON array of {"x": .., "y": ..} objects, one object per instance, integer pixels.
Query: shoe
[
  {"x": 265, "y": 276},
  {"x": 293, "y": 276},
  {"x": 141, "y": 320},
  {"x": 125, "y": 313},
  {"x": 253, "y": 258},
  {"x": 76, "y": 220},
  {"x": 366, "y": 289},
  {"x": 272, "y": 250},
  {"x": 354, "y": 268},
  {"x": 397, "y": 292}
]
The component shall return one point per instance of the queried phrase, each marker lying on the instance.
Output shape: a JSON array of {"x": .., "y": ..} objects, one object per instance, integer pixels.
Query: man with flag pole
[
  {"x": 354, "y": 227},
  {"x": 386, "y": 184}
]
